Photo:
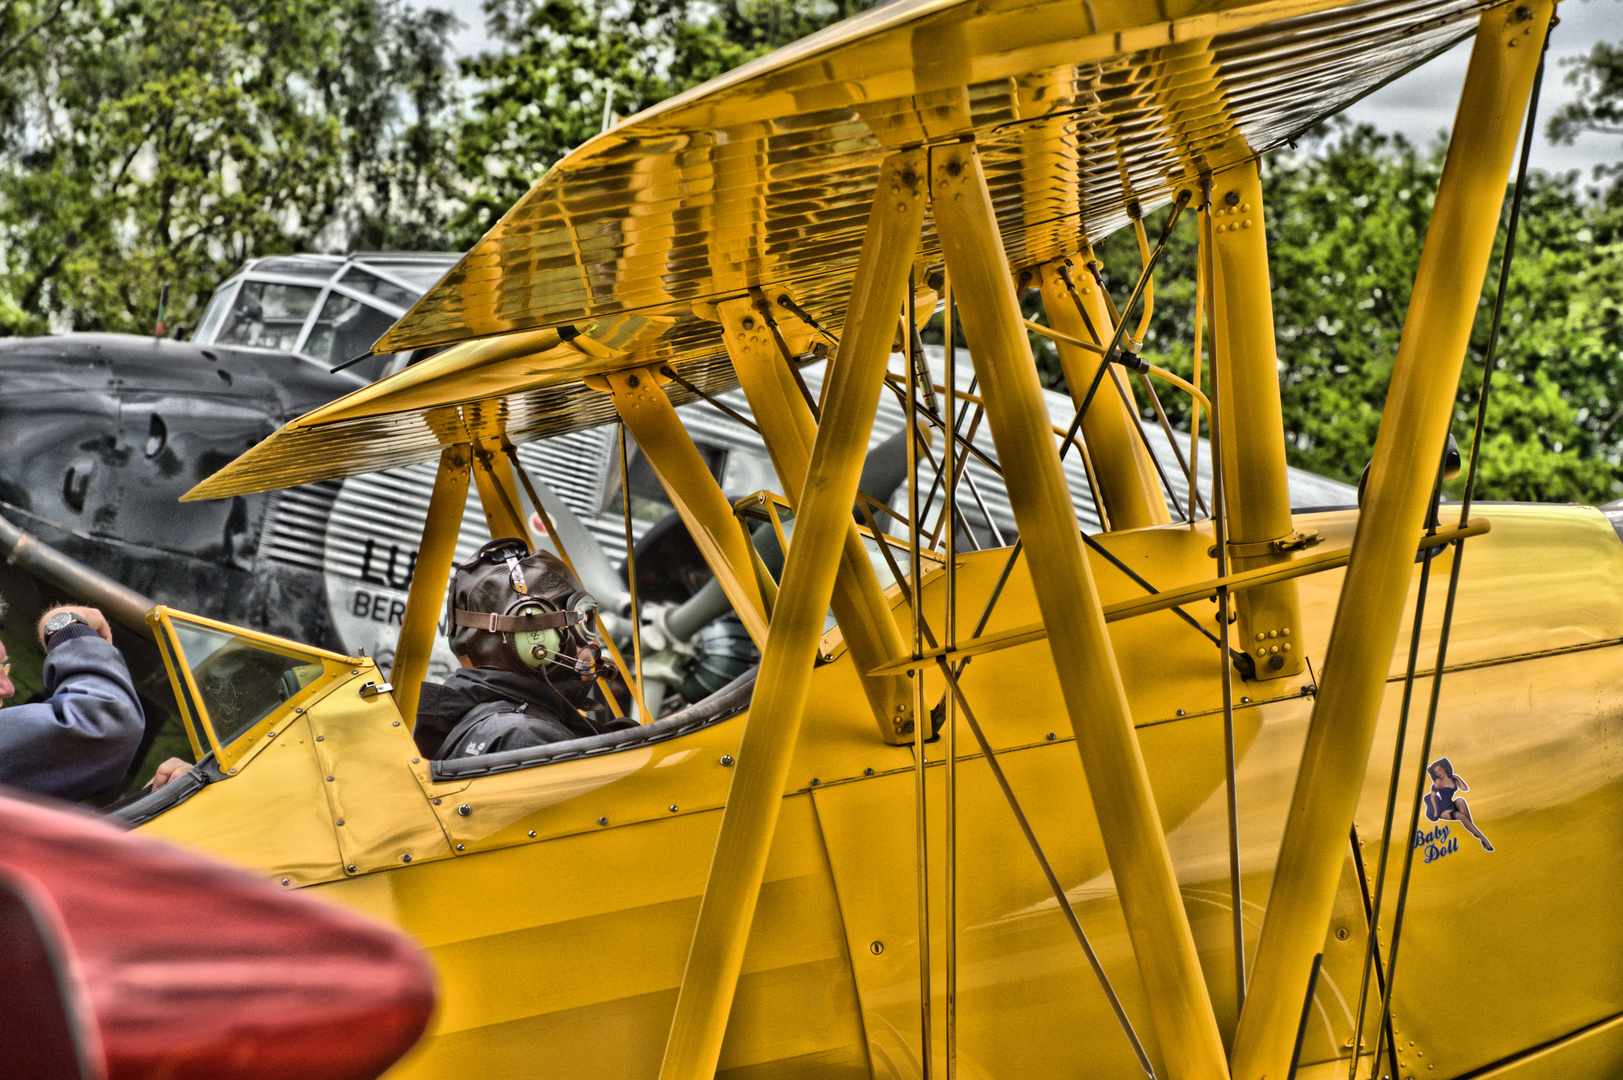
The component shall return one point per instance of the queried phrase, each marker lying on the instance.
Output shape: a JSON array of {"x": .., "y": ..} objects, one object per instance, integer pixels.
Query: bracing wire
[
  {"x": 1372, "y": 949},
  {"x": 921, "y": 722},
  {"x": 649, "y": 712},
  {"x": 1505, "y": 262},
  {"x": 1224, "y": 600},
  {"x": 1026, "y": 830}
]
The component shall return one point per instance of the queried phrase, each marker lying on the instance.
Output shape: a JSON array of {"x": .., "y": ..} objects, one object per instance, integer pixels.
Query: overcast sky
[{"x": 1420, "y": 105}]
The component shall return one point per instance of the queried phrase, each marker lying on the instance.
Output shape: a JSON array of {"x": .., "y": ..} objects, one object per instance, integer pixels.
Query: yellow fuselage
[{"x": 558, "y": 901}]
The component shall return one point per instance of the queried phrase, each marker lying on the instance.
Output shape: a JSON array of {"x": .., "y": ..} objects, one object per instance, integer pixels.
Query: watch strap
[{"x": 76, "y": 629}]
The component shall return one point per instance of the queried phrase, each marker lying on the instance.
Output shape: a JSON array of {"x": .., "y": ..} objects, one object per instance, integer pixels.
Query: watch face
[{"x": 61, "y": 621}]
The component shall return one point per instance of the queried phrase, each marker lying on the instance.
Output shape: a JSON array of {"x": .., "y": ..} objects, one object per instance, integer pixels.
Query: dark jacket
[
  {"x": 483, "y": 710},
  {"x": 81, "y": 740}
]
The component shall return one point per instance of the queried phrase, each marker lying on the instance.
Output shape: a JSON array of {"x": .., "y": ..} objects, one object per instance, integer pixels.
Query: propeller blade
[
  {"x": 597, "y": 574},
  {"x": 129, "y": 960}
]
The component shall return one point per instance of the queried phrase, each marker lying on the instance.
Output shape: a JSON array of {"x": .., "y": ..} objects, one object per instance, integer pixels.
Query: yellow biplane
[{"x": 1108, "y": 804}]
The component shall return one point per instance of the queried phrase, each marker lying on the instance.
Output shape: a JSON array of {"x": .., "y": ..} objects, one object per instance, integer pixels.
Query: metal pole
[
  {"x": 921, "y": 726},
  {"x": 425, "y": 602},
  {"x": 949, "y": 737},
  {"x": 119, "y": 603},
  {"x": 1130, "y": 489},
  {"x": 770, "y": 733},
  {"x": 1069, "y": 602},
  {"x": 1257, "y": 500},
  {"x": 647, "y": 711},
  {"x": 788, "y": 430},
  {"x": 1425, "y": 378},
  {"x": 1220, "y": 519}
]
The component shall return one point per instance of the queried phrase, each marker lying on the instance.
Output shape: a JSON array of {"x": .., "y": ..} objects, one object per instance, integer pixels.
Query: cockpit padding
[
  {"x": 730, "y": 700},
  {"x": 141, "y": 810}
]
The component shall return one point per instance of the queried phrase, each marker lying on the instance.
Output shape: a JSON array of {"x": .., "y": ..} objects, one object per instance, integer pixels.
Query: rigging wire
[
  {"x": 990, "y": 756},
  {"x": 1121, "y": 327},
  {"x": 1372, "y": 946},
  {"x": 1076, "y": 424},
  {"x": 805, "y": 316},
  {"x": 921, "y": 724},
  {"x": 557, "y": 541},
  {"x": 721, "y": 407},
  {"x": 1220, "y": 535},
  {"x": 1194, "y": 380},
  {"x": 1127, "y": 396},
  {"x": 764, "y": 309},
  {"x": 1505, "y": 263},
  {"x": 960, "y": 457},
  {"x": 649, "y": 712},
  {"x": 1177, "y": 451},
  {"x": 949, "y": 736},
  {"x": 969, "y": 448}
]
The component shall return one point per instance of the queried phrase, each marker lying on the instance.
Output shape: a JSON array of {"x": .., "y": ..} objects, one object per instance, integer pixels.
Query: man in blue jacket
[{"x": 80, "y": 740}]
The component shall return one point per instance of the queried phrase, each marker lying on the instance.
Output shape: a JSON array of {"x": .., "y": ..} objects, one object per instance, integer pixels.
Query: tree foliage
[
  {"x": 568, "y": 65},
  {"x": 1598, "y": 108},
  {"x": 1346, "y": 219},
  {"x": 151, "y": 142}
]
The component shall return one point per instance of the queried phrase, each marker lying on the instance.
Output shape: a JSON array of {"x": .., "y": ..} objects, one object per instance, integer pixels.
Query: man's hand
[
  {"x": 167, "y": 772},
  {"x": 90, "y": 615}
]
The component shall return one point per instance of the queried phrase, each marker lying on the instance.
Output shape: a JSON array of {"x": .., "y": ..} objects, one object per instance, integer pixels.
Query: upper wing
[{"x": 1083, "y": 110}]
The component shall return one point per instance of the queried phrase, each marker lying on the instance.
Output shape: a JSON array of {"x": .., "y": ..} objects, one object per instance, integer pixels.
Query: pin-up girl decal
[{"x": 1444, "y": 804}]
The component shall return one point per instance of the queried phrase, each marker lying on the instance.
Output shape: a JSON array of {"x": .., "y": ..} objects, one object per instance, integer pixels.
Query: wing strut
[
  {"x": 789, "y": 429},
  {"x": 1069, "y": 602},
  {"x": 426, "y": 601},
  {"x": 1257, "y": 503},
  {"x": 1425, "y": 378},
  {"x": 764, "y": 754}
]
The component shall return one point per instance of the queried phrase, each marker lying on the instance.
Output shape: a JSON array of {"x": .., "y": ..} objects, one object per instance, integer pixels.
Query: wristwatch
[{"x": 61, "y": 621}]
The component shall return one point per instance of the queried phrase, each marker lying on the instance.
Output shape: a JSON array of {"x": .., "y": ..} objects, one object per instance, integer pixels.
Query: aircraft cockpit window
[
  {"x": 269, "y": 315},
  {"x": 318, "y": 270},
  {"x": 328, "y": 309},
  {"x": 214, "y": 314},
  {"x": 229, "y": 683},
  {"x": 238, "y": 682},
  {"x": 387, "y": 291},
  {"x": 423, "y": 274},
  {"x": 345, "y": 329},
  {"x": 196, "y": 733}
]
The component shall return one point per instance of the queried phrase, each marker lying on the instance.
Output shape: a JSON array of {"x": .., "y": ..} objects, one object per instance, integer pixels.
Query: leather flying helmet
[{"x": 522, "y": 610}]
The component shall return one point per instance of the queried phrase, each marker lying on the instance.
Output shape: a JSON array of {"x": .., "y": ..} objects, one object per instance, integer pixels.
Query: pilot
[
  {"x": 526, "y": 634},
  {"x": 81, "y": 739}
]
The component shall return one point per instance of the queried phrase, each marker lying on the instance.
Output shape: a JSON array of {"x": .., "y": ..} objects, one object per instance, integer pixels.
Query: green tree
[
  {"x": 1347, "y": 218},
  {"x": 565, "y": 65},
  {"x": 1599, "y": 107},
  {"x": 161, "y": 142}
]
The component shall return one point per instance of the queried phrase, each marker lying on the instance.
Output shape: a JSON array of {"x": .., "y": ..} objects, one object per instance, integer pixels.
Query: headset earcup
[{"x": 535, "y": 647}]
